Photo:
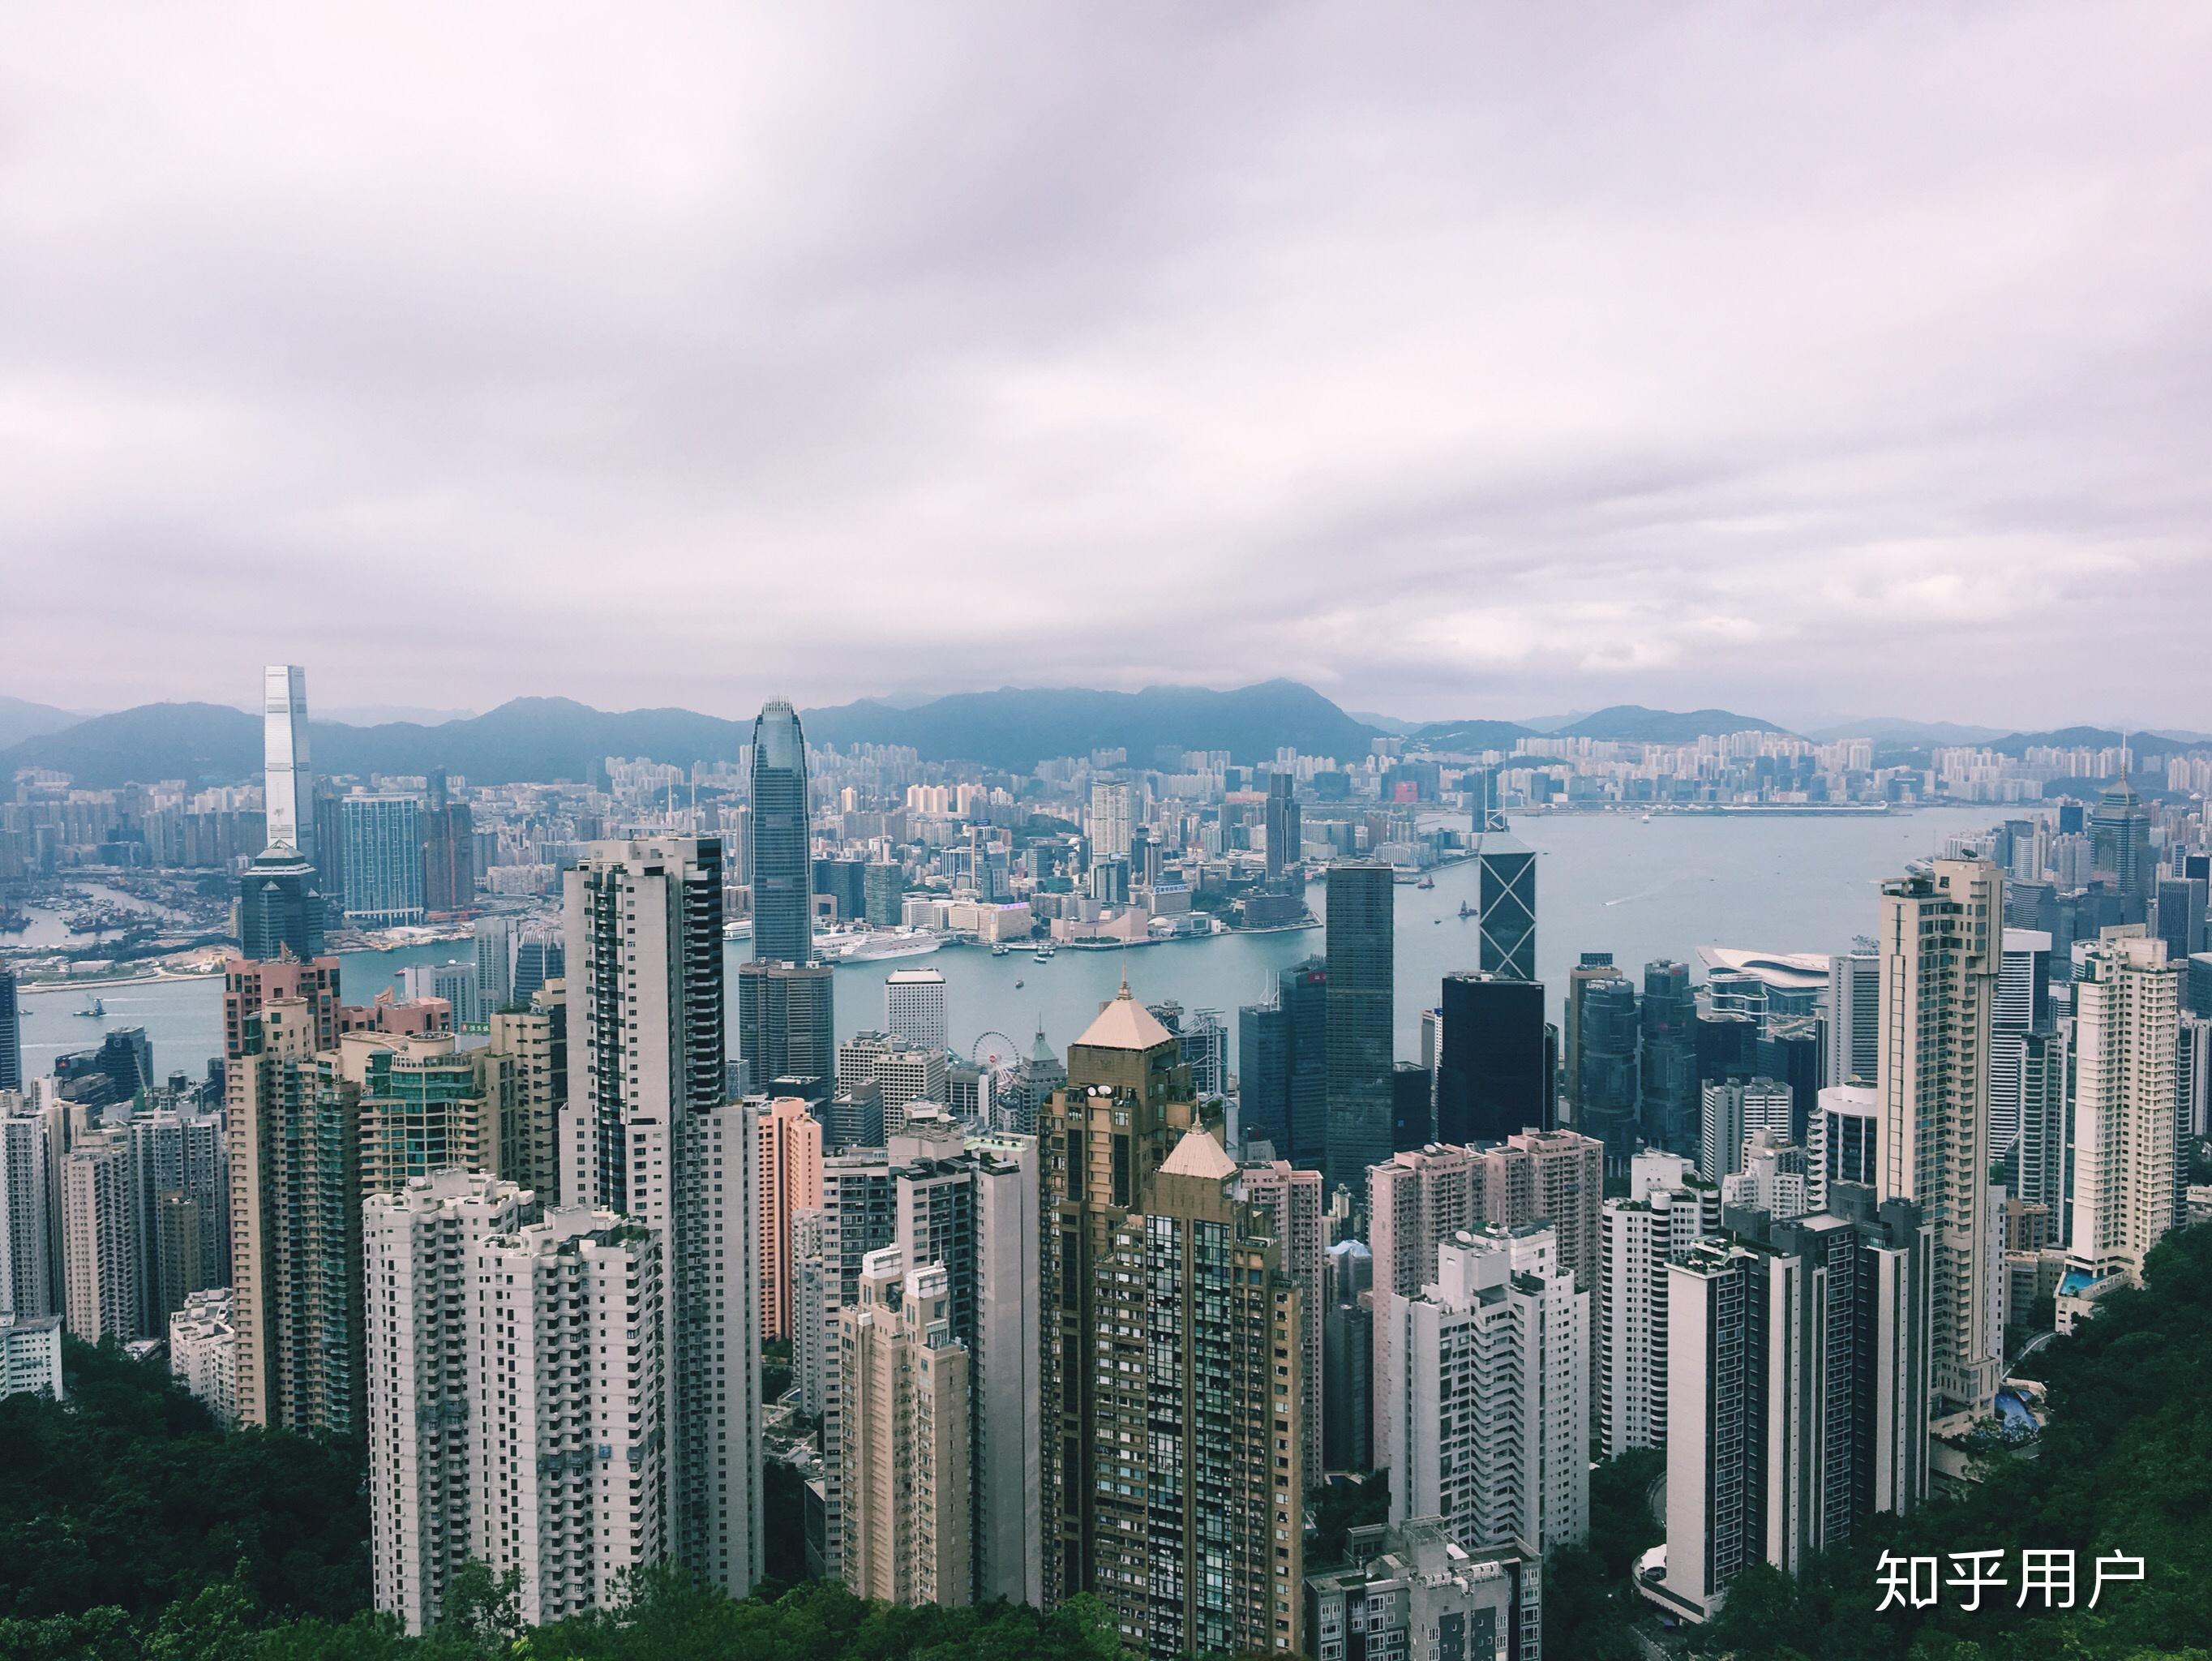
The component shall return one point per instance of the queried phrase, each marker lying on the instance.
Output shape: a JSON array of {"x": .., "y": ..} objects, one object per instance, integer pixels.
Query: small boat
[
  {"x": 1039, "y": 957},
  {"x": 1000, "y": 949},
  {"x": 97, "y": 1012},
  {"x": 1647, "y": 819},
  {"x": 1017, "y": 985}
]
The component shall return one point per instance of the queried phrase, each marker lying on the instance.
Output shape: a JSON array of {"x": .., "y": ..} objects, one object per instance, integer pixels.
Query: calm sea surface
[{"x": 1607, "y": 883}]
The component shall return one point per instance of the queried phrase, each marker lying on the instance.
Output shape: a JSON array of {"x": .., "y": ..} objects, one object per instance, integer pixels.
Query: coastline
[{"x": 75, "y": 982}]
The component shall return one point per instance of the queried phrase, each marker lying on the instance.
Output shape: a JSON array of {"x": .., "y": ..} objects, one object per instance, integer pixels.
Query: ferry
[
  {"x": 1043, "y": 954},
  {"x": 1000, "y": 949}
]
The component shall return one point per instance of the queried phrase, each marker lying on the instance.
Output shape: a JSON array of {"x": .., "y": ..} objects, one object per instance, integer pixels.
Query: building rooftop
[
  {"x": 1792, "y": 970},
  {"x": 1125, "y": 1024},
  {"x": 1197, "y": 1155}
]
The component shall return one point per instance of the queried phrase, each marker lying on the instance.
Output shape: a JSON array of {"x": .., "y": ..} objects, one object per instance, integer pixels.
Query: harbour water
[{"x": 1605, "y": 882}]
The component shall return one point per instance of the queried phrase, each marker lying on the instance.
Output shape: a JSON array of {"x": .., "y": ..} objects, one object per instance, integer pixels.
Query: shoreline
[{"x": 32, "y": 988}]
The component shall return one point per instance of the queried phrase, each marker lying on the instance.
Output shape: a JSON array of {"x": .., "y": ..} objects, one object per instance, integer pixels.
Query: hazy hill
[
  {"x": 1894, "y": 732},
  {"x": 1632, "y": 723},
  {"x": 528, "y": 738},
  {"x": 22, "y": 719},
  {"x": 1015, "y": 729},
  {"x": 2143, "y": 744},
  {"x": 1470, "y": 737},
  {"x": 201, "y": 743}
]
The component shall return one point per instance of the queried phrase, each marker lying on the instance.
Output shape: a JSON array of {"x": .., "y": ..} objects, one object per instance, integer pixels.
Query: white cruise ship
[{"x": 873, "y": 945}]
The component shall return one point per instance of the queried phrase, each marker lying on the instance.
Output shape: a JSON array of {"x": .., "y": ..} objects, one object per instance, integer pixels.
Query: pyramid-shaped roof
[
  {"x": 1199, "y": 1155},
  {"x": 1125, "y": 1024}
]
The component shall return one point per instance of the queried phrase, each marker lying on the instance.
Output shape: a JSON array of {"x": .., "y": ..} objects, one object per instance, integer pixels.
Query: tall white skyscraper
[
  {"x": 1940, "y": 941},
  {"x": 2042, "y": 1157},
  {"x": 2126, "y": 1018},
  {"x": 519, "y": 1396},
  {"x": 858, "y": 1215},
  {"x": 2023, "y": 1009},
  {"x": 1797, "y": 1363},
  {"x": 1490, "y": 1361},
  {"x": 1419, "y": 1198},
  {"x": 180, "y": 1180},
  {"x": 30, "y": 1208},
  {"x": 1113, "y": 820},
  {"x": 1416, "y": 1200},
  {"x": 1729, "y": 1111},
  {"x": 648, "y": 1135},
  {"x": 913, "y": 1008},
  {"x": 99, "y": 1241},
  {"x": 907, "y": 1383},
  {"x": 1668, "y": 1208},
  {"x": 1844, "y": 1131},
  {"x": 810, "y": 1310},
  {"x": 1292, "y": 1199},
  {"x": 1854, "y": 1014},
  {"x": 495, "y": 944},
  {"x": 288, "y": 785},
  {"x": 966, "y": 1204}
]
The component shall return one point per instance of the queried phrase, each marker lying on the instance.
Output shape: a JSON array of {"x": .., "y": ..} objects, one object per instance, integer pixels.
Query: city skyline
[
  {"x": 1146, "y": 832},
  {"x": 1342, "y": 334}
]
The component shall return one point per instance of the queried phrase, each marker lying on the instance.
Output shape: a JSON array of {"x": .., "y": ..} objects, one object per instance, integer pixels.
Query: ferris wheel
[{"x": 996, "y": 1050}]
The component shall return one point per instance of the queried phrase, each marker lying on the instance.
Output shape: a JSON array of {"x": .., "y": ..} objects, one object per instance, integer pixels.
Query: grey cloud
[{"x": 1460, "y": 361}]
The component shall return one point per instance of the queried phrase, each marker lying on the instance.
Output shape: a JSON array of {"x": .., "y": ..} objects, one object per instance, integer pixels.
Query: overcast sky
[{"x": 1458, "y": 360}]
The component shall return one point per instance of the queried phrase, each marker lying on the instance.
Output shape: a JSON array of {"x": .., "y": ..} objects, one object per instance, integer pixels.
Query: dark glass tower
[
  {"x": 536, "y": 962},
  {"x": 1282, "y": 1065},
  {"x": 1788, "y": 1051},
  {"x": 2181, "y": 905},
  {"x": 1607, "y": 1067},
  {"x": 1494, "y": 1075},
  {"x": 2119, "y": 847},
  {"x": 278, "y": 908},
  {"x": 1413, "y": 1106},
  {"x": 1505, "y": 902},
  {"x": 11, "y": 1033},
  {"x": 786, "y": 1021},
  {"x": 1362, "y": 936},
  {"x": 1727, "y": 1046},
  {"x": 1670, "y": 1057},
  {"x": 783, "y": 871},
  {"x": 1285, "y": 838}
]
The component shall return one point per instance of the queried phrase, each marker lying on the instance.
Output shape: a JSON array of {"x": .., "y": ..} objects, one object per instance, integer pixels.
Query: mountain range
[
  {"x": 1012, "y": 728},
  {"x": 546, "y": 738}
]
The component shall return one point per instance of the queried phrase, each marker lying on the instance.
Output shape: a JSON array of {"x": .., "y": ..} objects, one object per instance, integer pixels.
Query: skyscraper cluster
[{"x": 1102, "y": 1324}]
